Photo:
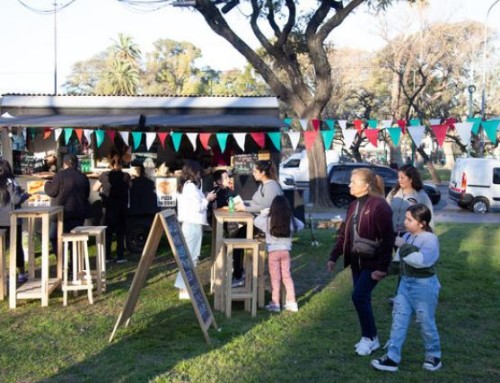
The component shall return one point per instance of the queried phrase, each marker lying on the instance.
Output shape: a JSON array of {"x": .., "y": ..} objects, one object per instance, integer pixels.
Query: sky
[{"x": 87, "y": 27}]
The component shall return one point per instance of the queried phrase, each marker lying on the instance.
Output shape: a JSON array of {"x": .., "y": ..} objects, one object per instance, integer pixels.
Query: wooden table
[
  {"x": 35, "y": 288},
  {"x": 219, "y": 218}
]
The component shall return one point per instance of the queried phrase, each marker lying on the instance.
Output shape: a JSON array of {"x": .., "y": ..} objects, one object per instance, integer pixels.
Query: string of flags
[{"x": 370, "y": 130}]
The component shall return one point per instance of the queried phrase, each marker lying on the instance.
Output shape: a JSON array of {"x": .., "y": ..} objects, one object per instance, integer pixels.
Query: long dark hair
[
  {"x": 421, "y": 214},
  {"x": 190, "y": 172},
  {"x": 5, "y": 175},
  {"x": 413, "y": 174},
  {"x": 280, "y": 216},
  {"x": 266, "y": 167}
]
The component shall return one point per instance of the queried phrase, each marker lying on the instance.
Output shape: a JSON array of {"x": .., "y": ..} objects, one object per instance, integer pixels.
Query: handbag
[{"x": 365, "y": 248}]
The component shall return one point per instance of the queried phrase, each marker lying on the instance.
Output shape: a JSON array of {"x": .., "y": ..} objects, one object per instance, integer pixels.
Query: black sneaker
[
  {"x": 384, "y": 364},
  {"x": 431, "y": 363}
]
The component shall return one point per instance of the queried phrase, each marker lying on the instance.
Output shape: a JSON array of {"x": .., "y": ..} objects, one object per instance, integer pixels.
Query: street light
[{"x": 483, "y": 97}]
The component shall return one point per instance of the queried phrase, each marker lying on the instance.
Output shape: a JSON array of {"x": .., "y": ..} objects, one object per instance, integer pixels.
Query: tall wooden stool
[
  {"x": 99, "y": 274},
  {"x": 3, "y": 278},
  {"x": 248, "y": 293},
  {"x": 81, "y": 277}
]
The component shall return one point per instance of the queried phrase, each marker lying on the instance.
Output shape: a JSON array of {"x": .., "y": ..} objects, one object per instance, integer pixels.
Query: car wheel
[
  {"x": 342, "y": 201},
  {"x": 479, "y": 205}
]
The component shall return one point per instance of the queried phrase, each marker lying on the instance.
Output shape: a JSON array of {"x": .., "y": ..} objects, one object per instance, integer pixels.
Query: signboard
[
  {"x": 166, "y": 191},
  {"x": 37, "y": 190},
  {"x": 244, "y": 163},
  {"x": 166, "y": 222}
]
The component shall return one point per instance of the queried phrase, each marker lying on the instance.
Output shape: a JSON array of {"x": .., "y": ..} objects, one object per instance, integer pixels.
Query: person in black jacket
[{"x": 69, "y": 188}]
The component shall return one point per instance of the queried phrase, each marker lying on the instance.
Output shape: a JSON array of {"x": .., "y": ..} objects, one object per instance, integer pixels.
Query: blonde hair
[{"x": 375, "y": 182}]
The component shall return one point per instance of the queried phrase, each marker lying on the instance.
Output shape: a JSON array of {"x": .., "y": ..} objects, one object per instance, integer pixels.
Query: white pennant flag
[
  {"x": 464, "y": 130},
  {"x": 124, "y": 136},
  {"x": 303, "y": 123},
  {"x": 386, "y": 123},
  {"x": 417, "y": 134},
  {"x": 343, "y": 124},
  {"x": 294, "y": 139},
  {"x": 240, "y": 139},
  {"x": 192, "y": 138},
  {"x": 349, "y": 136},
  {"x": 434, "y": 121},
  {"x": 57, "y": 133},
  {"x": 150, "y": 138},
  {"x": 87, "y": 133}
]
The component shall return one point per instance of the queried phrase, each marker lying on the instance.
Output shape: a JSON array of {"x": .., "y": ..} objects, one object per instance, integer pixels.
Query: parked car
[
  {"x": 339, "y": 176},
  {"x": 475, "y": 184}
]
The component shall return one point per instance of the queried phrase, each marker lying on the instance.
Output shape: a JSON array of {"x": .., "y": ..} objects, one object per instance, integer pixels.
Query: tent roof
[{"x": 57, "y": 120}]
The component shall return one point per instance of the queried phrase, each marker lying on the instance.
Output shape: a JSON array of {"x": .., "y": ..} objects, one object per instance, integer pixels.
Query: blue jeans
[
  {"x": 419, "y": 296},
  {"x": 362, "y": 299}
]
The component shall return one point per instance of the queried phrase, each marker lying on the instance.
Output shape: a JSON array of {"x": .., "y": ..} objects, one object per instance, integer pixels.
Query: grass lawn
[{"x": 164, "y": 343}]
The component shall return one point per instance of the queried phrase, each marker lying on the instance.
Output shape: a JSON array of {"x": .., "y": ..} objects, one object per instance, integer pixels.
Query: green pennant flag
[
  {"x": 395, "y": 134},
  {"x": 415, "y": 122},
  {"x": 288, "y": 121},
  {"x": 32, "y": 133},
  {"x": 490, "y": 127},
  {"x": 372, "y": 124},
  {"x": 136, "y": 137},
  {"x": 67, "y": 134},
  {"x": 476, "y": 123},
  {"x": 330, "y": 123},
  {"x": 222, "y": 140},
  {"x": 99, "y": 138},
  {"x": 176, "y": 140},
  {"x": 327, "y": 138},
  {"x": 276, "y": 139}
]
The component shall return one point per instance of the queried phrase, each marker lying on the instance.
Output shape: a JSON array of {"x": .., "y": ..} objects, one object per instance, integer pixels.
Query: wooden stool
[
  {"x": 3, "y": 278},
  {"x": 81, "y": 278},
  {"x": 249, "y": 292},
  {"x": 99, "y": 232}
]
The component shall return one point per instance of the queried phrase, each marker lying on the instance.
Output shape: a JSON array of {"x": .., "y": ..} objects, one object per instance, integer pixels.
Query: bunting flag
[
  {"x": 57, "y": 134},
  {"x": 330, "y": 123},
  {"x": 240, "y": 140},
  {"x": 373, "y": 124},
  {"x": 417, "y": 134},
  {"x": 79, "y": 133},
  {"x": 136, "y": 138},
  {"x": 67, "y": 134},
  {"x": 150, "y": 138},
  {"x": 259, "y": 138},
  {"x": 222, "y": 140},
  {"x": 204, "y": 138},
  {"x": 450, "y": 121},
  {"x": 476, "y": 123},
  {"x": 124, "y": 136},
  {"x": 294, "y": 139},
  {"x": 372, "y": 135},
  {"x": 176, "y": 140},
  {"x": 402, "y": 125},
  {"x": 349, "y": 136},
  {"x": 162, "y": 136},
  {"x": 309, "y": 138},
  {"x": 192, "y": 138},
  {"x": 415, "y": 122},
  {"x": 358, "y": 124},
  {"x": 327, "y": 138},
  {"x": 464, "y": 131},
  {"x": 342, "y": 124},
  {"x": 288, "y": 121},
  {"x": 434, "y": 121},
  {"x": 440, "y": 133},
  {"x": 303, "y": 123},
  {"x": 99, "y": 138},
  {"x": 386, "y": 123},
  {"x": 491, "y": 127},
  {"x": 87, "y": 133},
  {"x": 395, "y": 134},
  {"x": 46, "y": 133},
  {"x": 275, "y": 139},
  {"x": 111, "y": 135},
  {"x": 315, "y": 124}
]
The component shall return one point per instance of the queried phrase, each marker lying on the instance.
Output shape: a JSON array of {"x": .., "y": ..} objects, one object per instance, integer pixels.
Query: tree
[{"x": 295, "y": 32}]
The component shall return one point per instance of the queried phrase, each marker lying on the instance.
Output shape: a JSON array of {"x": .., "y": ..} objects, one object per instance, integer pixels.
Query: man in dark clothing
[{"x": 69, "y": 188}]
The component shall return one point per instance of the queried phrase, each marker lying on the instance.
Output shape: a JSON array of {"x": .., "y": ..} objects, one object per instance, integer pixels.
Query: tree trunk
[
  {"x": 318, "y": 179},
  {"x": 430, "y": 166}
]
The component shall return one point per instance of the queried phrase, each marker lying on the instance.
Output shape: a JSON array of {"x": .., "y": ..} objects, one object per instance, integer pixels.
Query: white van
[
  {"x": 296, "y": 168},
  {"x": 475, "y": 184}
]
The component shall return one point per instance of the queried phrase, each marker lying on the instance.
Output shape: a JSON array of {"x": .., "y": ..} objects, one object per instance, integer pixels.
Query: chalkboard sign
[
  {"x": 166, "y": 222},
  {"x": 244, "y": 163}
]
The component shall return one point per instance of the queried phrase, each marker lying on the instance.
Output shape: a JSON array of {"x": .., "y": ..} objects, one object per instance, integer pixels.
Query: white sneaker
[
  {"x": 291, "y": 306},
  {"x": 366, "y": 346}
]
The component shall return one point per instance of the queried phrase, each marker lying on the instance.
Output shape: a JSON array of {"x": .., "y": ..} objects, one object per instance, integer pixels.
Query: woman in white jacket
[{"x": 192, "y": 213}]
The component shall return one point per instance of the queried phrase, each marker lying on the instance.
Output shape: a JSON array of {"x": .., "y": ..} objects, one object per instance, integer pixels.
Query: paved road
[{"x": 444, "y": 211}]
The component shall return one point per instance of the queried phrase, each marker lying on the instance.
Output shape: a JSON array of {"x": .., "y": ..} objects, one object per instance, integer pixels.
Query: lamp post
[{"x": 55, "y": 48}]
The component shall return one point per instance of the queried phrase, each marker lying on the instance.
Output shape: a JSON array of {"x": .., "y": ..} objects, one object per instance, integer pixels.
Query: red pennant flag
[
  {"x": 440, "y": 133},
  {"x": 402, "y": 125},
  {"x": 162, "y": 136},
  {"x": 79, "y": 133},
  {"x": 259, "y": 138},
  {"x": 204, "y": 138},
  {"x": 309, "y": 138},
  {"x": 358, "y": 124},
  {"x": 372, "y": 135},
  {"x": 46, "y": 133},
  {"x": 111, "y": 134},
  {"x": 315, "y": 124},
  {"x": 451, "y": 122}
]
